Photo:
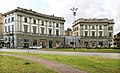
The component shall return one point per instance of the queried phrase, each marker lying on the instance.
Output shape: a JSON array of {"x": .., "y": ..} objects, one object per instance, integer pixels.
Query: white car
[{"x": 35, "y": 47}]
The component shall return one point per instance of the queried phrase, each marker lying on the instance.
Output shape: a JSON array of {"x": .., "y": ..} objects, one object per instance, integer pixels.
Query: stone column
[
  {"x": 60, "y": 29},
  {"x": 53, "y": 28},
  {"x": 97, "y": 30},
  {"x": 104, "y": 30},
  {"x": 21, "y": 24},
  {"x": 89, "y": 30},
  {"x": 46, "y": 26},
  {"x": 80, "y": 31},
  {"x": 18, "y": 23},
  {"x": 30, "y": 26},
  {"x": 38, "y": 26}
]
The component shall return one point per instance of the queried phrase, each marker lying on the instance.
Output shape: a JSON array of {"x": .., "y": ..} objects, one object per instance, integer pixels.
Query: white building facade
[
  {"x": 94, "y": 32},
  {"x": 27, "y": 28}
]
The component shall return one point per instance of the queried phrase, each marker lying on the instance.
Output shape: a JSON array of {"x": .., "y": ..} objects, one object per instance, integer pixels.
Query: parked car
[{"x": 35, "y": 47}]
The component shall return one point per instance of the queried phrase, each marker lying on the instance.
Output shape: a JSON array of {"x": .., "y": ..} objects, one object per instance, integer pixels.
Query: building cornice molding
[
  {"x": 94, "y": 20},
  {"x": 34, "y": 13}
]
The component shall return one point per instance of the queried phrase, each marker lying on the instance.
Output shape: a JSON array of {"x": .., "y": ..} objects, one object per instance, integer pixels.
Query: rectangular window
[
  {"x": 12, "y": 28},
  {"x": 42, "y": 30},
  {"x": 12, "y": 19},
  {"x": 57, "y": 32},
  {"x": 34, "y": 42},
  {"x": 34, "y": 29},
  {"x": 101, "y": 44},
  {"x": 8, "y": 28},
  {"x": 89, "y": 26},
  {"x": 42, "y": 23},
  {"x": 96, "y": 26},
  {"x": 100, "y": 27},
  {"x": 100, "y": 33},
  {"x": 77, "y": 34},
  {"x": 77, "y": 28},
  {"x": 9, "y": 39},
  {"x": 93, "y": 33},
  {"x": 5, "y": 20},
  {"x": 25, "y": 28},
  {"x": 110, "y": 34},
  {"x": 25, "y": 20},
  {"x": 86, "y": 33},
  {"x": 34, "y": 21},
  {"x": 5, "y": 28},
  {"x": 93, "y": 27},
  {"x": 85, "y": 26},
  {"x": 50, "y": 31},
  {"x": 57, "y": 25},
  {"x": 8, "y": 20},
  {"x": 110, "y": 28}
]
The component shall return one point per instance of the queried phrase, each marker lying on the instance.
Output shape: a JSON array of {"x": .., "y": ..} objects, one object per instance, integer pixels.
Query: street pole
[
  {"x": 13, "y": 40},
  {"x": 74, "y": 10},
  {"x": 13, "y": 36}
]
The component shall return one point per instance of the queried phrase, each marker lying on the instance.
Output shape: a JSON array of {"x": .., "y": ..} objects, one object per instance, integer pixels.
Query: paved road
[{"x": 108, "y": 55}]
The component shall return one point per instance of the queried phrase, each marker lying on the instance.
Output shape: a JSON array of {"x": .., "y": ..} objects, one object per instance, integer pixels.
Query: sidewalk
[{"x": 107, "y": 55}]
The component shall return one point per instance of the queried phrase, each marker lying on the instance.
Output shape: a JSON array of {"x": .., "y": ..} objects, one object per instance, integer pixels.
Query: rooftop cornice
[
  {"x": 93, "y": 20},
  {"x": 30, "y": 11},
  {"x": 90, "y": 20}
]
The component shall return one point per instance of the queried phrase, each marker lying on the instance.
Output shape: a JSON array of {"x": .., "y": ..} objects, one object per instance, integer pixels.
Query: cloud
[{"x": 7, "y": 5}]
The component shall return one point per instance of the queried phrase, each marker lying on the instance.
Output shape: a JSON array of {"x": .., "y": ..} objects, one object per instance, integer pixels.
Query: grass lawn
[
  {"x": 17, "y": 65},
  {"x": 89, "y": 64},
  {"x": 85, "y": 50}
]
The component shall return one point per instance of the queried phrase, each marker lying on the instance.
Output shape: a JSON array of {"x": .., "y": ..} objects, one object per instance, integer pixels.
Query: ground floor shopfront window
[
  {"x": 26, "y": 43},
  {"x": 34, "y": 42},
  {"x": 58, "y": 44},
  {"x": 50, "y": 44},
  {"x": 43, "y": 43}
]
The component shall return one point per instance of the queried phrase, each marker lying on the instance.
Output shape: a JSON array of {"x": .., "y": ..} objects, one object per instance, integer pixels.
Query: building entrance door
[
  {"x": 93, "y": 44},
  {"x": 50, "y": 44},
  {"x": 43, "y": 43}
]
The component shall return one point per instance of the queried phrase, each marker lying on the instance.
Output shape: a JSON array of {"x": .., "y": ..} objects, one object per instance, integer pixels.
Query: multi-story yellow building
[
  {"x": 68, "y": 32},
  {"x": 1, "y": 23},
  {"x": 117, "y": 40},
  {"x": 1, "y": 35}
]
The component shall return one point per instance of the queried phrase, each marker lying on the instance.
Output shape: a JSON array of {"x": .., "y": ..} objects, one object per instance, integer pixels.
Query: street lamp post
[
  {"x": 13, "y": 38},
  {"x": 74, "y": 10}
]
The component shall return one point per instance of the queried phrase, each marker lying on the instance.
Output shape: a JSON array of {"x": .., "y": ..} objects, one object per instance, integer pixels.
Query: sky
[{"x": 86, "y": 9}]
